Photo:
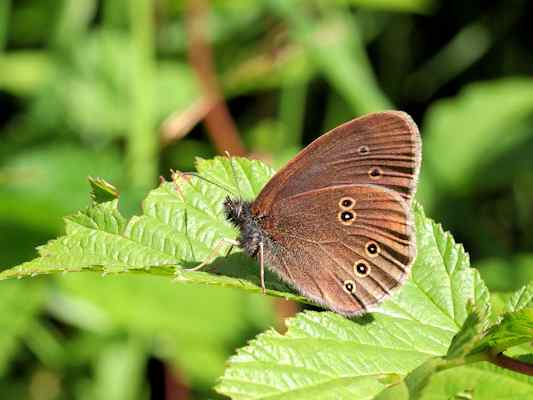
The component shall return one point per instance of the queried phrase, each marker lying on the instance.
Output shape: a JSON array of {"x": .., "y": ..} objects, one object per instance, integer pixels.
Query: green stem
[
  {"x": 74, "y": 20},
  {"x": 5, "y": 7},
  {"x": 493, "y": 356},
  {"x": 292, "y": 108},
  {"x": 143, "y": 141},
  {"x": 466, "y": 48},
  {"x": 337, "y": 48},
  {"x": 45, "y": 344},
  {"x": 460, "y": 361}
]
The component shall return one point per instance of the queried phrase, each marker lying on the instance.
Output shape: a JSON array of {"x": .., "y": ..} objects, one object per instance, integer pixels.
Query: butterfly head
[{"x": 237, "y": 211}]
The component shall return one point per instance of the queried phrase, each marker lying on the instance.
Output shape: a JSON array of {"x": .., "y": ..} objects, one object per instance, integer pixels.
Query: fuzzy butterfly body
[{"x": 336, "y": 222}]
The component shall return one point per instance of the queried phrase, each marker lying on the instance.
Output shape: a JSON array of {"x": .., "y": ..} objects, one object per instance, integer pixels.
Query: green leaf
[
  {"x": 475, "y": 343},
  {"x": 194, "y": 328},
  {"x": 16, "y": 316},
  {"x": 335, "y": 45},
  {"x": 470, "y": 334},
  {"x": 102, "y": 191},
  {"x": 521, "y": 298},
  {"x": 514, "y": 329},
  {"x": 498, "y": 302},
  {"x": 182, "y": 223},
  {"x": 99, "y": 82},
  {"x": 25, "y": 71},
  {"x": 324, "y": 355},
  {"x": 462, "y": 344},
  {"x": 506, "y": 274},
  {"x": 420, "y": 6},
  {"x": 479, "y": 381},
  {"x": 417, "y": 381},
  {"x": 119, "y": 372},
  {"x": 469, "y": 125},
  {"x": 37, "y": 180},
  {"x": 512, "y": 321}
]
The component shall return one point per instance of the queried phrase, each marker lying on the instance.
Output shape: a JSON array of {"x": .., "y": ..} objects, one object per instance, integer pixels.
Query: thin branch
[
  {"x": 175, "y": 386},
  {"x": 284, "y": 309},
  {"x": 220, "y": 126},
  {"x": 503, "y": 361},
  {"x": 142, "y": 149},
  {"x": 492, "y": 356},
  {"x": 180, "y": 123}
]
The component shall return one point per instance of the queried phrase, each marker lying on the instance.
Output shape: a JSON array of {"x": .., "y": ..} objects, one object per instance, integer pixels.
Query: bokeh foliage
[{"x": 86, "y": 87}]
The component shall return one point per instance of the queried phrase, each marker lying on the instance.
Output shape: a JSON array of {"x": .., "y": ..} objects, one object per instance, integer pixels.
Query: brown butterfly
[{"x": 336, "y": 222}]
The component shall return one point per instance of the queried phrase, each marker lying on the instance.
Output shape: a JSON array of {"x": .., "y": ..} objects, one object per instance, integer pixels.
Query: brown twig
[
  {"x": 180, "y": 123},
  {"x": 175, "y": 387},
  {"x": 284, "y": 309},
  {"x": 512, "y": 364},
  {"x": 220, "y": 126}
]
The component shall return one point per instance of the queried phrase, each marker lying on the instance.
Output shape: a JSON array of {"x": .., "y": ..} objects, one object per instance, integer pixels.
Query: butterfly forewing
[
  {"x": 346, "y": 247},
  {"x": 379, "y": 149}
]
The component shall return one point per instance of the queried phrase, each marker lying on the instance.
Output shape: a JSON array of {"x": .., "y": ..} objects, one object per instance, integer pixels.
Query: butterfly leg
[
  {"x": 262, "y": 266},
  {"x": 214, "y": 252}
]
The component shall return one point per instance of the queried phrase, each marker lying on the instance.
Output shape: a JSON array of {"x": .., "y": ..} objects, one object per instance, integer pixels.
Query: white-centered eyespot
[
  {"x": 372, "y": 249},
  {"x": 361, "y": 268},
  {"x": 349, "y": 286},
  {"x": 346, "y": 203},
  {"x": 346, "y": 217}
]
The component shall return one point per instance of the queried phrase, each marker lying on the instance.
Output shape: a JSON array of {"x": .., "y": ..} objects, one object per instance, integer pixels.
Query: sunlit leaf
[
  {"x": 472, "y": 344},
  {"x": 324, "y": 355},
  {"x": 479, "y": 381},
  {"x": 515, "y": 328},
  {"x": 470, "y": 334},
  {"x": 522, "y": 298},
  {"x": 182, "y": 223}
]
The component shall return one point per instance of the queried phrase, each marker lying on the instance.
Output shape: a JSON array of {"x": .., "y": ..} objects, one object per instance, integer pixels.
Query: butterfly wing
[
  {"x": 328, "y": 241},
  {"x": 380, "y": 149}
]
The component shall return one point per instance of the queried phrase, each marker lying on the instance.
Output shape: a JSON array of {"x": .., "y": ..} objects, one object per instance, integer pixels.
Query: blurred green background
[{"x": 127, "y": 90}]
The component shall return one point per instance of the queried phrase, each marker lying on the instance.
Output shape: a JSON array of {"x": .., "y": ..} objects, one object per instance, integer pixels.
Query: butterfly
[{"x": 336, "y": 222}]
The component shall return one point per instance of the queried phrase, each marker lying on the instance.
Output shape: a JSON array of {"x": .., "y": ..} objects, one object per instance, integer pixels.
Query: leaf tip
[{"x": 102, "y": 191}]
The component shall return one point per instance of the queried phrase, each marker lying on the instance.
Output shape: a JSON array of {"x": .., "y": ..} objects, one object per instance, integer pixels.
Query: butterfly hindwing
[{"x": 346, "y": 247}]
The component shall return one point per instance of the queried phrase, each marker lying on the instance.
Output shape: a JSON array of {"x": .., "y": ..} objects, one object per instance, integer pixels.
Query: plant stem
[
  {"x": 503, "y": 361},
  {"x": 292, "y": 109},
  {"x": 492, "y": 356},
  {"x": 336, "y": 46},
  {"x": 220, "y": 126},
  {"x": 5, "y": 8},
  {"x": 143, "y": 141}
]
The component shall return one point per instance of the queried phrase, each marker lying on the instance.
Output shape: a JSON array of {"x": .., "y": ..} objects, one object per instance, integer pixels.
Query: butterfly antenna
[
  {"x": 234, "y": 171},
  {"x": 219, "y": 185}
]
